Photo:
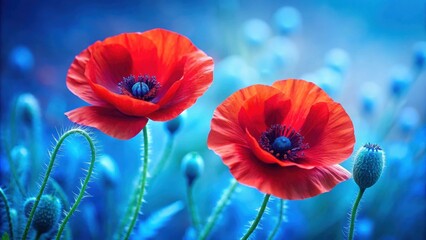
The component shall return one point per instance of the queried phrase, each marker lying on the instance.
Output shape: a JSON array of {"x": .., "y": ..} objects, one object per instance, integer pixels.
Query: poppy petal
[
  {"x": 263, "y": 110},
  {"x": 284, "y": 182},
  {"x": 109, "y": 64},
  {"x": 303, "y": 95},
  {"x": 125, "y": 104},
  {"x": 266, "y": 157},
  {"x": 78, "y": 83},
  {"x": 143, "y": 52},
  {"x": 197, "y": 78},
  {"x": 225, "y": 125},
  {"x": 334, "y": 143},
  {"x": 171, "y": 47},
  {"x": 108, "y": 120}
]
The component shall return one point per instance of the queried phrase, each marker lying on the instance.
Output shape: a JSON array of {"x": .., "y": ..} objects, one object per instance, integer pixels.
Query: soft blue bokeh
[{"x": 368, "y": 55}]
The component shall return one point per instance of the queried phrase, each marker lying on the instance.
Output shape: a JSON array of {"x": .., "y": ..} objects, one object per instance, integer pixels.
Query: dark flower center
[
  {"x": 283, "y": 142},
  {"x": 143, "y": 87}
]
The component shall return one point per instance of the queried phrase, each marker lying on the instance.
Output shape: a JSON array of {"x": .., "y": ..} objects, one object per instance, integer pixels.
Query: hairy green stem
[
  {"x": 64, "y": 200},
  {"x": 7, "y": 208},
  {"x": 141, "y": 186},
  {"x": 354, "y": 212},
  {"x": 47, "y": 175},
  {"x": 218, "y": 209},
  {"x": 13, "y": 169},
  {"x": 258, "y": 217},
  {"x": 194, "y": 216},
  {"x": 38, "y": 235},
  {"x": 164, "y": 157},
  {"x": 279, "y": 222}
]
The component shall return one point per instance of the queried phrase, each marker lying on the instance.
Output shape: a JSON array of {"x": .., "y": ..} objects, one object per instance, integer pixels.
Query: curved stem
[
  {"x": 258, "y": 217},
  {"x": 141, "y": 186},
  {"x": 38, "y": 236},
  {"x": 6, "y": 206},
  {"x": 194, "y": 216},
  {"x": 49, "y": 170},
  {"x": 83, "y": 187},
  {"x": 280, "y": 220},
  {"x": 64, "y": 200},
  {"x": 13, "y": 169},
  {"x": 354, "y": 212},
  {"x": 166, "y": 154},
  {"x": 218, "y": 209}
]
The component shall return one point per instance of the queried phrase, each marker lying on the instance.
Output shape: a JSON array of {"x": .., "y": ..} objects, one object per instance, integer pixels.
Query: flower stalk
[
  {"x": 354, "y": 213},
  {"x": 47, "y": 175},
  {"x": 140, "y": 190},
  {"x": 217, "y": 212},
  {"x": 258, "y": 217}
]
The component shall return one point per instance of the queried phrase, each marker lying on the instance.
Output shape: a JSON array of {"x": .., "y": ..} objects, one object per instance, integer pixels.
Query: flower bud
[
  {"x": 47, "y": 213},
  {"x": 28, "y": 109},
  {"x": 368, "y": 166},
  {"x": 192, "y": 166},
  {"x": 287, "y": 19},
  {"x": 173, "y": 125},
  {"x": 28, "y": 205},
  {"x": 420, "y": 55}
]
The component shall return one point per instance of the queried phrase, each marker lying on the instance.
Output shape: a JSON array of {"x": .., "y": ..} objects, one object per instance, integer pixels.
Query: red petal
[
  {"x": 315, "y": 123},
  {"x": 108, "y": 65},
  {"x": 267, "y": 157},
  {"x": 335, "y": 143},
  {"x": 125, "y": 104},
  {"x": 284, "y": 182},
  {"x": 108, "y": 120},
  {"x": 143, "y": 52},
  {"x": 171, "y": 47},
  {"x": 78, "y": 83},
  {"x": 225, "y": 126},
  {"x": 196, "y": 79},
  {"x": 258, "y": 113},
  {"x": 303, "y": 95}
]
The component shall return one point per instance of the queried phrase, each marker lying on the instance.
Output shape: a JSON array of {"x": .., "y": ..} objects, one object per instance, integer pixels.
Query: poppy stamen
[
  {"x": 283, "y": 142},
  {"x": 144, "y": 87}
]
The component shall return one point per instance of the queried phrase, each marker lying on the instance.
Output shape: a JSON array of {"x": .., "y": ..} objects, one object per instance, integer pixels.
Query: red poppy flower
[
  {"x": 286, "y": 139},
  {"x": 133, "y": 77}
]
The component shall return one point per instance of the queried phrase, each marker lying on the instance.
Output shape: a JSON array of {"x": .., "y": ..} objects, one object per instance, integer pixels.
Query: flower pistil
[
  {"x": 283, "y": 142},
  {"x": 145, "y": 87}
]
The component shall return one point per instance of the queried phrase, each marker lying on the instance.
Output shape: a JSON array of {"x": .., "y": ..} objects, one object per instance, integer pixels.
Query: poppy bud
[
  {"x": 338, "y": 59},
  {"x": 401, "y": 79},
  {"x": 28, "y": 109},
  {"x": 47, "y": 213},
  {"x": 287, "y": 19},
  {"x": 192, "y": 166},
  {"x": 420, "y": 55},
  {"x": 28, "y": 205},
  {"x": 368, "y": 166},
  {"x": 173, "y": 125},
  {"x": 256, "y": 32}
]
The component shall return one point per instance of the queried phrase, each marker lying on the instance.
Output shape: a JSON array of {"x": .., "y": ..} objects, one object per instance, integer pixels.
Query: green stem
[
  {"x": 258, "y": 217},
  {"x": 166, "y": 154},
  {"x": 47, "y": 175},
  {"x": 141, "y": 186},
  {"x": 64, "y": 200},
  {"x": 6, "y": 206},
  {"x": 38, "y": 236},
  {"x": 218, "y": 210},
  {"x": 354, "y": 212},
  {"x": 280, "y": 220},
  {"x": 13, "y": 169},
  {"x": 194, "y": 216}
]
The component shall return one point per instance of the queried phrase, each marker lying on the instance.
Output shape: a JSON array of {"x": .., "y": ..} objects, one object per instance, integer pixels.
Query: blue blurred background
[{"x": 368, "y": 55}]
